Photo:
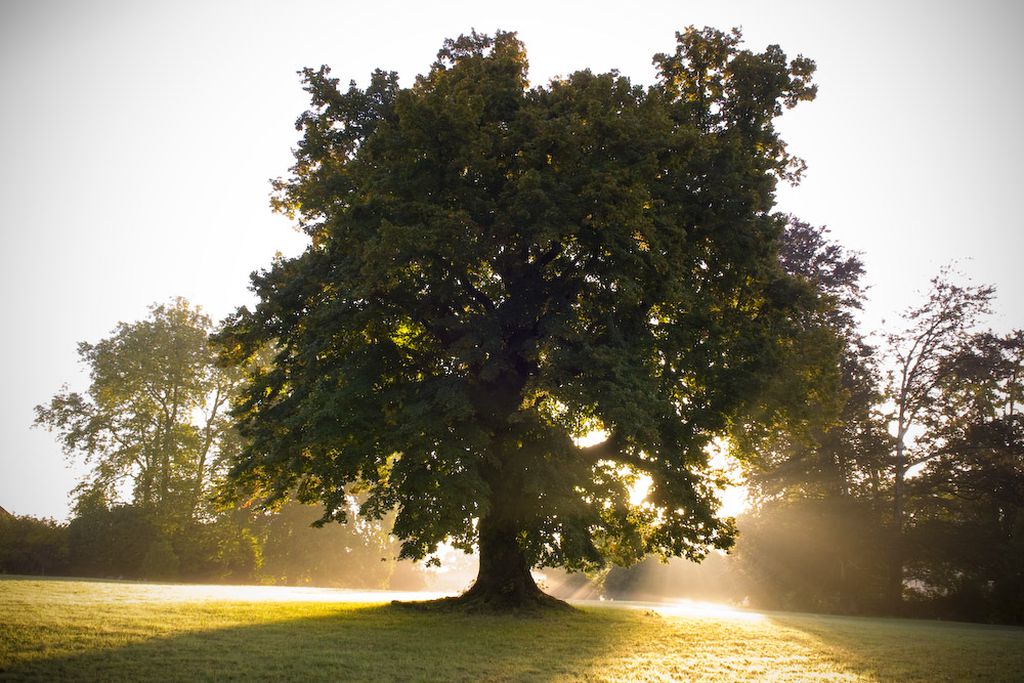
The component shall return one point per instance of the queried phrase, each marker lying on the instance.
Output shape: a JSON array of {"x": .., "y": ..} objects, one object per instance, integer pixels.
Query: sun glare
[
  {"x": 735, "y": 499},
  {"x": 638, "y": 490},
  {"x": 680, "y": 607},
  {"x": 696, "y": 608},
  {"x": 591, "y": 438}
]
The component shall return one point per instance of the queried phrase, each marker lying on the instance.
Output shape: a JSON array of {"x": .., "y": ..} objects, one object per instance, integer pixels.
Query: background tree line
[
  {"x": 912, "y": 500},
  {"x": 153, "y": 426}
]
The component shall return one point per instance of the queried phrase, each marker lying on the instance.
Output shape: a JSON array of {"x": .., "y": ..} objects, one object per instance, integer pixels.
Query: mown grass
[{"x": 82, "y": 630}]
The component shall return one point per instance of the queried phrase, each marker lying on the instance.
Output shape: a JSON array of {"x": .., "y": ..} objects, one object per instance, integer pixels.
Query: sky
[{"x": 137, "y": 140}]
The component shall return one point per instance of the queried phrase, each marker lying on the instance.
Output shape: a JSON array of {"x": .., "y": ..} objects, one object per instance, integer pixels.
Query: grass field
[{"x": 89, "y": 630}]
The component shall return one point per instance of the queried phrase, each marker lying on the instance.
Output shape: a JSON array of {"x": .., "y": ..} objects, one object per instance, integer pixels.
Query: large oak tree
[{"x": 497, "y": 270}]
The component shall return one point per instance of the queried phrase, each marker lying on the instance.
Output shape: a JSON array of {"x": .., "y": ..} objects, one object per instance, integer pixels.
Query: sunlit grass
[
  {"x": 78, "y": 630},
  {"x": 687, "y": 608}
]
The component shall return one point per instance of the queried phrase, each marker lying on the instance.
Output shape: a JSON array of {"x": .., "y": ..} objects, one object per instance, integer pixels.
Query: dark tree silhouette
[{"x": 966, "y": 536}]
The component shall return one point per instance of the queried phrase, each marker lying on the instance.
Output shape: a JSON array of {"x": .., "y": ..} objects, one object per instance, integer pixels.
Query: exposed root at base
[{"x": 491, "y": 603}]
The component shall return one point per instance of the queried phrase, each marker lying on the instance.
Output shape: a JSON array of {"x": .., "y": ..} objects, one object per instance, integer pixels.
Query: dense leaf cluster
[{"x": 497, "y": 270}]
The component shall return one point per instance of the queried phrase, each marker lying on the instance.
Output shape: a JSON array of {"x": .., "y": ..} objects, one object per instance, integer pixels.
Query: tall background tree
[
  {"x": 817, "y": 486},
  {"x": 498, "y": 270},
  {"x": 933, "y": 333},
  {"x": 153, "y": 425},
  {"x": 965, "y": 538},
  {"x": 154, "y": 415}
]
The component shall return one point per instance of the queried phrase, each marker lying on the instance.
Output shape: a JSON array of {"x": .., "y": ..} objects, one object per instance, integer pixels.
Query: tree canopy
[
  {"x": 155, "y": 414},
  {"x": 498, "y": 270},
  {"x": 935, "y": 331}
]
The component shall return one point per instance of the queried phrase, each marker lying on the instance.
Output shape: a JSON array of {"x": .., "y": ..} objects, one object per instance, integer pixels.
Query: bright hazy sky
[{"x": 137, "y": 139}]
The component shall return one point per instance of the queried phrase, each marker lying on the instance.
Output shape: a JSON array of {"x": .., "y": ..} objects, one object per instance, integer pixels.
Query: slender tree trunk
[
  {"x": 208, "y": 434},
  {"x": 895, "y": 587},
  {"x": 1011, "y": 391}
]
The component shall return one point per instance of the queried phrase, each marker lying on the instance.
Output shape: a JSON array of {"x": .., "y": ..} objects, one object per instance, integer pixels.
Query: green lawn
[{"x": 85, "y": 630}]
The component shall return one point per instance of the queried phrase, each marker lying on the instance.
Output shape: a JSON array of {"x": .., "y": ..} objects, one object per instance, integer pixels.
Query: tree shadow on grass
[
  {"x": 345, "y": 642},
  {"x": 912, "y": 649}
]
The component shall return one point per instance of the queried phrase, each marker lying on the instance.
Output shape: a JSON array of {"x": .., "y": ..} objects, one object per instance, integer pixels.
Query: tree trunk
[
  {"x": 503, "y": 582},
  {"x": 895, "y": 587}
]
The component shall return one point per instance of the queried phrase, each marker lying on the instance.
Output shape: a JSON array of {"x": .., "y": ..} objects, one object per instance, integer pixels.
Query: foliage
[
  {"x": 160, "y": 561},
  {"x": 129, "y": 541},
  {"x": 838, "y": 447},
  {"x": 497, "y": 270},
  {"x": 154, "y": 413},
  {"x": 227, "y": 547},
  {"x": 153, "y": 422},
  {"x": 967, "y": 528},
  {"x": 32, "y": 546},
  {"x": 109, "y": 541}
]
